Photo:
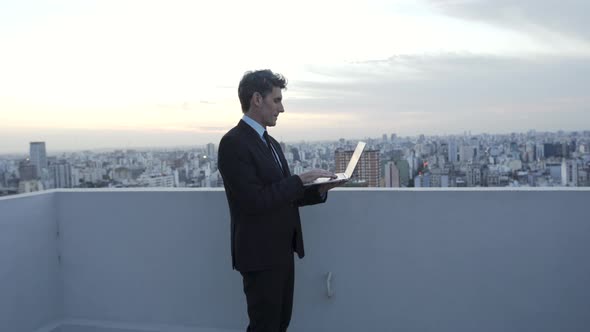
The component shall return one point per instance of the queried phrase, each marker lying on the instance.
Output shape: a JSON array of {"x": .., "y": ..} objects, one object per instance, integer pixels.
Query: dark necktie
[{"x": 269, "y": 145}]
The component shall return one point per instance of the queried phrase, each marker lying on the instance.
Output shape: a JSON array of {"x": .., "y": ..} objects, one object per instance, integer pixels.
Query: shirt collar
[{"x": 255, "y": 125}]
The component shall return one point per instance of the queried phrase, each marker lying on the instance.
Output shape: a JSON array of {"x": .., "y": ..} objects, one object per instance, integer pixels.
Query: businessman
[{"x": 264, "y": 200}]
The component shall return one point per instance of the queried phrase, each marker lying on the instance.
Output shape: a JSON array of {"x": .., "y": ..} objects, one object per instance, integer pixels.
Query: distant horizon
[{"x": 52, "y": 151}]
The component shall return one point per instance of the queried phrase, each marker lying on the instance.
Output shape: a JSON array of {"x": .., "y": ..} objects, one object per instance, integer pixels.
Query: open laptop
[{"x": 341, "y": 177}]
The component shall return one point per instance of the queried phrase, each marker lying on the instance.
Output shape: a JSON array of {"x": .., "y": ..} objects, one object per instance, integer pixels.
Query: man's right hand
[{"x": 314, "y": 174}]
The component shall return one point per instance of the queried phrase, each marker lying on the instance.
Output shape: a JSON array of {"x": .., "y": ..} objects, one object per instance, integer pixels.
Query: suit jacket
[{"x": 263, "y": 201}]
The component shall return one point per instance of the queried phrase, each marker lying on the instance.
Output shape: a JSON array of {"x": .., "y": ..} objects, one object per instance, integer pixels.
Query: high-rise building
[
  {"x": 412, "y": 164},
  {"x": 554, "y": 170},
  {"x": 367, "y": 169},
  {"x": 62, "y": 174},
  {"x": 439, "y": 178},
  {"x": 38, "y": 156},
  {"x": 571, "y": 147},
  {"x": 422, "y": 181},
  {"x": 584, "y": 177},
  {"x": 539, "y": 152},
  {"x": 3, "y": 179},
  {"x": 466, "y": 153},
  {"x": 584, "y": 147},
  {"x": 530, "y": 149},
  {"x": 211, "y": 152},
  {"x": 452, "y": 148},
  {"x": 473, "y": 175},
  {"x": 556, "y": 150},
  {"x": 392, "y": 178},
  {"x": 295, "y": 152},
  {"x": 298, "y": 168},
  {"x": 27, "y": 171},
  {"x": 569, "y": 173}
]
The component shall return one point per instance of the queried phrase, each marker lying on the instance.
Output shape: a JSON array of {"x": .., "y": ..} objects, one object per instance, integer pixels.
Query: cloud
[
  {"x": 541, "y": 18},
  {"x": 455, "y": 91}
]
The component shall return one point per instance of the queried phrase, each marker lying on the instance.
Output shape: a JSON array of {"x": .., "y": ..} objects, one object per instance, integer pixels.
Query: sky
[{"x": 123, "y": 74}]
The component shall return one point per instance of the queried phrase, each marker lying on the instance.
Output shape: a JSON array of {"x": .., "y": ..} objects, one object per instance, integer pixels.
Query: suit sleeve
[
  {"x": 239, "y": 174},
  {"x": 312, "y": 196}
]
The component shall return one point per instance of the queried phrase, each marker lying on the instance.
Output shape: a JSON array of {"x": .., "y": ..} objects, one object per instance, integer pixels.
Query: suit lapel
[
  {"x": 281, "y": 155},
  {"x": 260, "y": 146}
]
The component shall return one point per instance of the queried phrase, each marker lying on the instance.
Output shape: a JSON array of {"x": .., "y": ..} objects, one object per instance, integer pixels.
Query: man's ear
[{"x": 256, "y": 99}]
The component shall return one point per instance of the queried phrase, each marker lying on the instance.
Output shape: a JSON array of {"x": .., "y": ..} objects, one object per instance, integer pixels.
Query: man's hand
[
  {"x": 314, "y": 174},
  {"x": 327, "y": 186}
]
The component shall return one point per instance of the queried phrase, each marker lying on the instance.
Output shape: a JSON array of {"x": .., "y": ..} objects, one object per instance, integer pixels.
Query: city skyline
[
  {"x": 531, "y": 159},
  {"x": 131, "y": 74}
]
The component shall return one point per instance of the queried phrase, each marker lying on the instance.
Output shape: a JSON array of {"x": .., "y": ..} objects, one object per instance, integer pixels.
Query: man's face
[{"x": 270, "y": 108}]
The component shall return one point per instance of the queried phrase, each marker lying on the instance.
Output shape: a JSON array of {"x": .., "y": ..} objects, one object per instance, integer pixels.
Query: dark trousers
[{"x": 269, "y": 294}]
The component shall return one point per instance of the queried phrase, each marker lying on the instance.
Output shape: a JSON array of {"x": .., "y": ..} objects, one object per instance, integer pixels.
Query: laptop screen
[{"x": 354, "y": 159}]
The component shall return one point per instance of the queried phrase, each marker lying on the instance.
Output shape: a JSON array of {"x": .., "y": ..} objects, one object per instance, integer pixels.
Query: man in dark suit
[{"x": 264, "y": 200}]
